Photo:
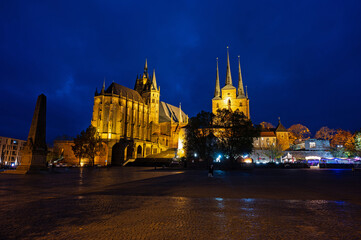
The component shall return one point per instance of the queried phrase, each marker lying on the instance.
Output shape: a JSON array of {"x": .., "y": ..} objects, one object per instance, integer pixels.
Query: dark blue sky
[{"x": 301, "y": 60}]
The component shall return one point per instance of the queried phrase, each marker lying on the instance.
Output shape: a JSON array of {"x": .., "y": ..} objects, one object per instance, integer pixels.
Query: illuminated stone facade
[
  {"x": 135, "y": 123},
  {"x": 229, "y": 97}
]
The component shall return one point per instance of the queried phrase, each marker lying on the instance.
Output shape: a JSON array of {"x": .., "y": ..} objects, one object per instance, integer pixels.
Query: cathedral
[{"x": 135, "y": 123}]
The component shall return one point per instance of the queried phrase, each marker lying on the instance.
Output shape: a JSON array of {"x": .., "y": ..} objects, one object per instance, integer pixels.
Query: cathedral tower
[{"x": 148, "y": 89}]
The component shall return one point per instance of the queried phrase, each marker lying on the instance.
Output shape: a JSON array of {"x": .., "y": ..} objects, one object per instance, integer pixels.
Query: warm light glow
[
  {"x": 313, "y": 158},
  {"x": 180, "y": 150},
  {"x": 248, "y": 160}
]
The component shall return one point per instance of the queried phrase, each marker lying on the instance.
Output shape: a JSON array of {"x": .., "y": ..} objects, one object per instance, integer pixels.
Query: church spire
[
  {"x": 146, "y": 66},
  {"x": 154, "y": 81},
  {"x": 217, "y": 91},
  {"x": 228, "y": 76},
  {"x": 240, "y": 82}
]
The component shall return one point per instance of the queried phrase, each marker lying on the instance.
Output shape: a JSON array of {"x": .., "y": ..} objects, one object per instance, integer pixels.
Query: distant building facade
[
  {"x": 64, "y": 154},
  {"x": 313, "y": 145},
  {"x": 10, "y": 151},
  {"x": 135, "y": 123}
]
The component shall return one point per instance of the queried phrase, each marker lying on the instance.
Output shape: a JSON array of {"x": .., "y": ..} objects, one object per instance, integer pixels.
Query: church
[
  {"x": 233, "y": 99},
  {"x": 229, "y": 97},
  {"x": 135, "y": 123}
]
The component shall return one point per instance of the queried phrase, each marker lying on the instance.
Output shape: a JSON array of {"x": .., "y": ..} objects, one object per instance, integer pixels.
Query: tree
[
  {"x": 79, "y": 146},
  {"x": 199, "y": 138},
  {"x": 357, "y": 139},
  {"x": 343, "y": 141},
  {"x": 273, "y": 151},
  {"x": 87, "y": 144},
  {"x": 299, "y": 132},
  {"x": 266, "y": 125},
  {"x": 341, "y": 138},
  {"x": 235, "y": 133},
  {"x": 325, "y": 133}
]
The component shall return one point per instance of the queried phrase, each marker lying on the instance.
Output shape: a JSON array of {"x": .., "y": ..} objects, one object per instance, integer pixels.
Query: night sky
[{"x": 301, "y": 60}]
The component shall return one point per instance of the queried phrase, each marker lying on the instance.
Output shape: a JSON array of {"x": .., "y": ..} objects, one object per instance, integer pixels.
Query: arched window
[
  {"x": 240, "y": 104},
  {"x": 217, "y": 105},
  {"x": 139, "y": 150},
  {"x": 229, "y": 102}
]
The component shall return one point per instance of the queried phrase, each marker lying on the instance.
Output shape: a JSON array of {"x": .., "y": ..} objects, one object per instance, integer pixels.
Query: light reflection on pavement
[{"x": 135, "y": 203}]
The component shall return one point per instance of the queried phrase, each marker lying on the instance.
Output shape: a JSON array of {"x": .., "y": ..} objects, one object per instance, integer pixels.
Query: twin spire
[
  {"x": 228, "y": 76},
  {"x": 154, "y": 81},
  {"x": 217, "y": 91},
  {"x": 240, "y": 82}
]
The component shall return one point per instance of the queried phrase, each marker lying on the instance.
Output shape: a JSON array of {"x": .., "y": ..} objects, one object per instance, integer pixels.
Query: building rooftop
[
  {"x": 124, "y": 91},
  {"x": 168, "y": 112}
]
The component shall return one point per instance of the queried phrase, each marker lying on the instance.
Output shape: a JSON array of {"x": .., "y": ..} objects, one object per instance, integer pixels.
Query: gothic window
[
  {"x": 240, "y": 104},
  {"x": 229, "y": 102},
  {"x": 217, "y": 105}
]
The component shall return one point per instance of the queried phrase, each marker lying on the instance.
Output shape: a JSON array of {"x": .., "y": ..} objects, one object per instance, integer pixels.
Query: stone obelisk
[{"x": 33, "y": 157}]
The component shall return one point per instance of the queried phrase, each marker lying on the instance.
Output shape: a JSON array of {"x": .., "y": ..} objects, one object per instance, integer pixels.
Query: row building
[{"x": 10, "y": 151}]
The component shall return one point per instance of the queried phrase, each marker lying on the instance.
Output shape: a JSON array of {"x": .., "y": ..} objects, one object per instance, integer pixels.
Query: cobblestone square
[{"x": 143, "y": 203}]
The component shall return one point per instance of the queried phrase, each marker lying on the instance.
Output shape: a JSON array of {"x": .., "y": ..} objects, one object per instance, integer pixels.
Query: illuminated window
[{"x": 312, "y": 144}]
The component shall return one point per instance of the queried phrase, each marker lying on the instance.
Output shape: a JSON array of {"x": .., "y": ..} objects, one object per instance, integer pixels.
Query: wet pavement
[{"x": 141, "y": 203}]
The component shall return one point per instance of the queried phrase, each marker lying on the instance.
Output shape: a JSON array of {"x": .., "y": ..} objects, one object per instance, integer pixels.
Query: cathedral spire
[
  {"x": 103, "y": 88},
  {"x": 228, "y": 76},
  {"x": 146, "y": 66},
  {"x": 154, "y": 81},
  {"x": 217, "y": 91},
  {"x": 240, "y": 82},
  {"x": 180, "y": 113}
]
